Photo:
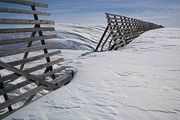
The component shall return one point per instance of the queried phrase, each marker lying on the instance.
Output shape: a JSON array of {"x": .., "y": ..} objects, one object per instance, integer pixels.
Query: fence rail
[
  {"x": 121, "y": 30},
  {"x": 47, "y": 78}
]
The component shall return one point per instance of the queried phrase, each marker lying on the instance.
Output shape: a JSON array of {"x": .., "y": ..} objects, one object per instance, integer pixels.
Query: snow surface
[
  {"x": 138, "y": 82},
  {"x": 70, "y": 36}
]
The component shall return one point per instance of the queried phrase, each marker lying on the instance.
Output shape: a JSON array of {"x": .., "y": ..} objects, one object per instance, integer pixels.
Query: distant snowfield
[{"x": 138, "y": 82}]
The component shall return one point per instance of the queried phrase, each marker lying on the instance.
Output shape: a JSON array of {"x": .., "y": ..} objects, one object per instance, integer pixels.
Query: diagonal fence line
[{"x": 121, "y": 30}]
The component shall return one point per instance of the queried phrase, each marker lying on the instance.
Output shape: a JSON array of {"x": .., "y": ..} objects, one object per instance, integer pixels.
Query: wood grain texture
[
  {"x": 10, "y": 10},
  {"x": 25, "y": 21},
  {"x": 23, "y": 2},
  {"x": 17, "y": 30}
]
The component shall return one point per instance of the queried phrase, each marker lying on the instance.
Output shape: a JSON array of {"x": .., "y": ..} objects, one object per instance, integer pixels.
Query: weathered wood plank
[
  {"x": 62, "y": 80},
  {"x": 23, "y": 2},
  {"x": 38, "y": 67},
  {"x": 124, "y": 29},
  {"x": 102, "y": 38},
  {"x": 28, "y": 76},
  {"x": 22, "y": 40},
  {"x": 38, "y": 57},
  {"x": 6, "y": 98},
  {"x": 25, "y": 21},
  {"x": 52, "y": 72},
  {"x": 20, "y": 97},
  {"x": 16, "y": 30},
  {"x": 28, "y": 49},
  {"x": 24, "y": 83},
  {"x": 14, "y": 87},
  {"x": 29, "y": 70},
  {"x": 10, "y": 10},
  {"x": 21, "y": 72}
]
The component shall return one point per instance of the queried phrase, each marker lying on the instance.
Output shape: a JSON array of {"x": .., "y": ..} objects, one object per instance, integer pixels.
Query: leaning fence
[
  {"x": 37, "y": 63},
  {"x": 121, "y": 30}
]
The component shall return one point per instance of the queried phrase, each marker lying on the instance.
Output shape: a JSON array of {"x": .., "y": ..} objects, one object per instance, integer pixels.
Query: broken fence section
[{"x": 121, "y": 30}]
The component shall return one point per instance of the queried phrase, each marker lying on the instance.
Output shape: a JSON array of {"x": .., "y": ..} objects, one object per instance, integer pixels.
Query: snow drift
[{"x": 138, "y": 82}]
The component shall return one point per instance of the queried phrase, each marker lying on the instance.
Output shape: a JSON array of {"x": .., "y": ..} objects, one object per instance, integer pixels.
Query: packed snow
[{"x": 138, "y": 82}]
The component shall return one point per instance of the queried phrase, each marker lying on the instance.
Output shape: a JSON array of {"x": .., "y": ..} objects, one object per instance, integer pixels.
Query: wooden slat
[
  {"x": 29, "y": 70},
  {"x": 16, "y": 30},
  {"x": 110, "y": 14},
  {"x": 38, "y": 57},
  {"x": 22, "y": 40},
  {"x": 28, "y": 76},
  {"x": 38, "y": 67},
  {"x": 38, "y": 80},
  {"x": 14, "y": 87},
  {"x": 6, "y": 98},
  {"x": 62, "y": 80},
  {"x": 102, "y": 38},
  {"x": 52, "y": 72},
  {"x": 10, "y": 10},
  {"x": 59, "y": 79},
  {"x": 21, "y": 97},
  {"x": 28, "y": 49},
  {"x": 24, "y": 83},
  {"x": 25, "y": 21},
  {"x": 23, "y": 2},
  {"x": 125, "y": 28}
]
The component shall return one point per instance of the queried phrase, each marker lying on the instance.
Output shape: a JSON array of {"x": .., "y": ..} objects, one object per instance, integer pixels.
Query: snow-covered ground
[
  {"x": 138, "y": 82},
  {"x": 79, "y": 36}
]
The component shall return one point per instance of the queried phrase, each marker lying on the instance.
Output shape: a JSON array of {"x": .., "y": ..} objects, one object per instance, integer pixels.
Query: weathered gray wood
[
  {"x": 42, "y": 42},
  {"x": 102, "y": 38},
  {"x": 38, "y": 57},
  {"x": 38, "y": 67},
  {"x": 22, "y": 40},
  {"x": 21, "y": 97},
  {"x": 29, "y": 70},
  {"x": 62, "y": 80},
  {"x": 10, "y": 10},
  {"x": 28, "y": 49},
  {"x": 28, "y": 45},
  {"x": 14, "y": 87},
  {"x": 122, "y": 30},
  {"x": 23, "y": 2},
  {"x": 59, "y": 79},
  {"x": 28, "y": 76},
  {"x": 5, "y": 95},
  {"x": 52, "y": 72},
  {"x": 24, "y": 21},
  {"x": 24, "y": 83},
  {"x": 16, "y": 30}
]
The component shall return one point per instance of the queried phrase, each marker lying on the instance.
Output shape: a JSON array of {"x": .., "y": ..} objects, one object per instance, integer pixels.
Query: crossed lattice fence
[
  {"x": 37, "y": 64},
  {"x": 38, "y": 70},
  {"x": 122, "y": 30}
]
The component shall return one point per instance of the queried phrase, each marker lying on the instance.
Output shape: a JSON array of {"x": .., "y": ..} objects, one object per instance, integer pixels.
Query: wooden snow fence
[
  {"x": 29, "y": 74},
  {"x": 122, "y": 30}
]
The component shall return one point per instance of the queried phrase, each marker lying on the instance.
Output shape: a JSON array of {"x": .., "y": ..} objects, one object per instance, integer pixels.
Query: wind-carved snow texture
[
  {"x": 78, "y": 37},
  {"x": 70, "y": 36},
  {"x": 138, "y": 82}
]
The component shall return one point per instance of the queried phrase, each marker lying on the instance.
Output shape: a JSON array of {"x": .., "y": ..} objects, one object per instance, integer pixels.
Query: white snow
[
  {"x": 79, "y": 37},
  {"x": 138, "y": 82}
]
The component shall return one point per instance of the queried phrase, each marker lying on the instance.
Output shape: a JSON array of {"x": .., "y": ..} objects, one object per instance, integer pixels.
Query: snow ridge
[{"x": 138, "y": 82}]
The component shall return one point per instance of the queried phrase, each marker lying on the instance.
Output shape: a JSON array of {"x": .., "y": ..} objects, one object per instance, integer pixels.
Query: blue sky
[{"x": 165, "y": 12}]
